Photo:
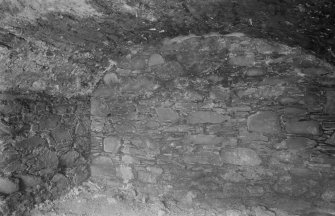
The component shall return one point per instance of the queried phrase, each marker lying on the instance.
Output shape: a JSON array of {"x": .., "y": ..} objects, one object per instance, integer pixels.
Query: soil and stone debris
[{"x": 153, "y": 108}]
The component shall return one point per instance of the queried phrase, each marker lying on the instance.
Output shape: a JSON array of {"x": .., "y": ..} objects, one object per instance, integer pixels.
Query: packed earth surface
[{"x": 221, "y": 108}]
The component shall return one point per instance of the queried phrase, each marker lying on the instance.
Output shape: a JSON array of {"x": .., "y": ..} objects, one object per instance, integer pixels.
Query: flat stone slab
[
  {"x": 299, "y": 143},
  {"x": 102, "y": 166},
  {"x": 112, "y": 144},
  {"x": 166, "y": 115},
  {"x": 303, "y": 127},
  {"x": 241, "y": 156},
  {"x": 206, "y": 117},
  {"x": 330, "y": 105},
  {"x": 264, "y": 122},
  {"x": 7, "y": 186}
]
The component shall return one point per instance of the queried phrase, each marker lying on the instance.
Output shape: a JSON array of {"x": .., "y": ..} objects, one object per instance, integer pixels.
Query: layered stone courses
[{"x": 218, "y": 122}]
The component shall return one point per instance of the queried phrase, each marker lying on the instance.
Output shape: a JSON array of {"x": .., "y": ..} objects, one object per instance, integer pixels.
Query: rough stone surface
[
  {"x": 206, "y": 117},
  {"x": 7, "y": 186},
  {"x": 254, "y": 72},
  {"x": 193, "y": 129},
  {"x": 330, "y": 105},
  {"x": 241, "y": 156},
  {"x": 265, "y": 122},
  {"x": 303, "y": 127},
  {"x": 112, "y": 144},
  {"x": 166, "y": 114},
  {"x": 155, "y": 59}
]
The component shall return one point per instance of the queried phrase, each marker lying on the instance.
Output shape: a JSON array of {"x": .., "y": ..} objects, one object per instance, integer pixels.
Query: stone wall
[
  {"x": 45, "y": 147},
  {"x": 217, "y": 119}
]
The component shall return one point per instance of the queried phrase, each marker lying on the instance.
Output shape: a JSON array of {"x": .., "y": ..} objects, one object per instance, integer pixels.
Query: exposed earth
[{"x": 161, "y": 108}]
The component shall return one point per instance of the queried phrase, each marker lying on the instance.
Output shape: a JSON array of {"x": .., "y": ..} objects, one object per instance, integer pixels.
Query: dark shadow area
[{"x": 45, "y": 147}]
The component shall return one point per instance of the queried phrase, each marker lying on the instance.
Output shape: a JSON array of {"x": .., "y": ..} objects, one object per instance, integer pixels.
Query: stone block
[
  {"x": 254, "y": 72},
  {"x": 264, "y": 122},
  {"x": 202, "y": 139},
  {"x": 49, "y": 122},
  {"x": 245, "y": 60},
  {"x": 125, "y": 172},
  {"x": 299, "y": 143},
  {"x": 303, "y": 127},
  {"x": 330, "y": 105},
  {"x": 241, "y": 156},
  {"x": 331, "y": 140},
  {"x": 155, "y": 59},
  {"x": 168, "y": 70},
  {"x": 166, "y": 115},
  {"x": 112, "y": 144},
  {"x": 102, "y": 166},
  {"x": 30, "y": 181},
  {"x": 8, "y": 186},
  {"x": 69, "y": 159},
  {"x": 200, "y": 117}
]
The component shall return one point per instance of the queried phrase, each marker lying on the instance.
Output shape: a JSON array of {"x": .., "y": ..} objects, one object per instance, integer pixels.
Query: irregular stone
[
  {"x": 328, "y": 193},
  {"x": 125, "y": 172},
  {"x": 241, "y": 156},
  {"x": 246, "y": 60},
  {"x": 315, "y": 71},
  {"x": 98, "y": 123},
  {"x": 220, "y": 93},
  {"x": 255, "y": 190},
  {"x": 104, "y": 92},
  {"x": 112, "y": 144},
  {"x": 233, "y": 176},
  {"x": 49, "y": 122},
  {"x": 147, "y": 177},
  {"x": 299, "y": 143},
  {"x": 203, "y": 157},
  {"x": 254, "y": 72},
  {"x": 30, "y": 181},
  {"x": 60, "y": 184},
  {"x": 155, "y": 59},
  {"x": 102, "y": 166},
  {"x": 262, "y": 211},
  {"x": 206, "y": 117},
  {"x": 247, "y": 137},
  {"x": 61, "y": 134},
  {"x": 232, "y": 212},
  {"x": 327, "y": 81},
  {"x": 330, "y": 105},
  {"x": 202, "y": 139},
  {"x": 291, "y": 186},
  {"x": 168, "y": 70},
  {"x": 7, "y": 186},
  {"x": 284, "y": 100},
  {"x": 264, "y": 122},
  {"x": 48, "y": 159},
  {"x": 269, "y": 91},
  {"x": 139, "y": 84},
  {"x": 138, "y": 63},
  {"x": 99, "y": 107},
  {"x": 331, "y": 140},
  {"x": 30, "y": 143},
  {"x": 68, "y": 160},
  {"x": 285, "y": 157},
  {"x": 166, "y": 115},
  {"x": 293, "y": 111},
  {"x": 303, "y": 127},
  {"x": 110, "y": 78}
]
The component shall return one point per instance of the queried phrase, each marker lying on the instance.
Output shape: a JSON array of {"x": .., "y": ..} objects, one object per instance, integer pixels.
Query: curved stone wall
[{"x": 216, "y": 119}]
